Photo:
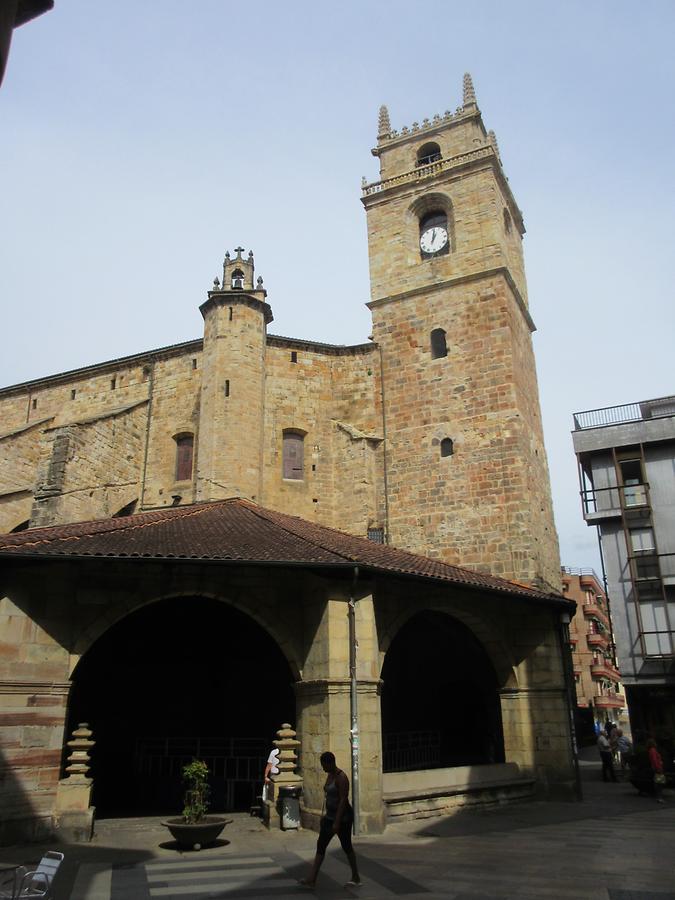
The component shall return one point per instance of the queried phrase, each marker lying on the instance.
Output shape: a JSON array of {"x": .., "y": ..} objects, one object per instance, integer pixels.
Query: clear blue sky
[{"x": 141, "y": 140}]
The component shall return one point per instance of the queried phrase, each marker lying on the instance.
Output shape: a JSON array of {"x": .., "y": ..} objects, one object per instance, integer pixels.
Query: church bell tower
[
  {"x": 466, "y": 471},
  {"x": 236, "y": 315}
]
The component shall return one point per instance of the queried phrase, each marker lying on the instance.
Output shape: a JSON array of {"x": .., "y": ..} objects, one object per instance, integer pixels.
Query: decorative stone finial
[
  {"x": 469, "y": 95},
  {"x": 78, "y": 761},
  {"x": 492, "y": 140},
  {"x": 364, "y": 181},
  {"x": 250, "y": 254},
  {"x": 227, "y": 254},
  {"x": 288, "y": 759},
  {"x": 383, "y": 123},
  {"x": 216, "y": 284},
  {"x": 259, "y": 283}
]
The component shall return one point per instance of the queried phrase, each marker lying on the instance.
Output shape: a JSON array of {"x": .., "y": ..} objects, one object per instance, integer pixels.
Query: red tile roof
[{"x": 238, "y": 530}]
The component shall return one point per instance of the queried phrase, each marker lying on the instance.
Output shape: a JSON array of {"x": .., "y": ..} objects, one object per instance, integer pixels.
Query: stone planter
[{"x": 198, "y": 835}]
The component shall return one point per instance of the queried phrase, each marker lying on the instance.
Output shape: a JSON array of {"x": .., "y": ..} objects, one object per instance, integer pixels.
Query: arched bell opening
[
  {"x": 182, "y": 678},
  {"x": 440, "y": 698}
]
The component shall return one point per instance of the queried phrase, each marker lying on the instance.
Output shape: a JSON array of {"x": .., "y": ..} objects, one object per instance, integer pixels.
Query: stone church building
[{"x": 205, "y": 540}]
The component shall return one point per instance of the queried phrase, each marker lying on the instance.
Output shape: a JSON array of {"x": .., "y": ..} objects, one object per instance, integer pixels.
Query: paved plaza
[{"x": 615, "y": 845}]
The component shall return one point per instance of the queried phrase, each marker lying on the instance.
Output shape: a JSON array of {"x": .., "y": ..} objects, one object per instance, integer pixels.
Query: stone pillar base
[
  {"x": 76, "y": 826},
  {"x": 74, "y": 817}
]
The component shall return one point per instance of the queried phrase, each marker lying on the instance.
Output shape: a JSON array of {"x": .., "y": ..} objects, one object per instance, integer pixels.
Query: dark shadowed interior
[
  {"x": 440, "y": 700},
  {"x": 183, "y": 678}
]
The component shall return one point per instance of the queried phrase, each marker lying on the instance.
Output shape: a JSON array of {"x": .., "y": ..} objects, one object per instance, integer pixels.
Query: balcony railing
[
  {"x": 615, "y": 498},
  {"x": 597, "y": 640},
  {"x": 660, "y": 408},
  {"x": 610, "y": 701},
  {"x": 439, "y": 165},
  {"x": 594, "y": 611},
  {"x": 602, "y": 670}
]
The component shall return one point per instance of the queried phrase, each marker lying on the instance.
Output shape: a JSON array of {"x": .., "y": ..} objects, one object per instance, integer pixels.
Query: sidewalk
[{"x": 615, "y": 845}]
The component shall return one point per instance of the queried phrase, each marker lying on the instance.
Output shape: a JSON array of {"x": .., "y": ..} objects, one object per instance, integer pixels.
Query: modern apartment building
[
  {"x": 626, "y": 457},
  {"x": 597, "y": 678}
]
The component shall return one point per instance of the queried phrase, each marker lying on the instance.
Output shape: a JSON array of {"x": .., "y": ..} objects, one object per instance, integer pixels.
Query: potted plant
[{"x": 195, "y": 828}]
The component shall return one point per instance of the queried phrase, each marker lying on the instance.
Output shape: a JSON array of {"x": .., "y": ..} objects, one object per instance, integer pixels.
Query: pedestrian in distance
[
  {"x": 625, "y": 748},
  {"x": 337, "y": 819},
  {"x": 605, "y": 751},
  {"x": 656, "y": 763}
]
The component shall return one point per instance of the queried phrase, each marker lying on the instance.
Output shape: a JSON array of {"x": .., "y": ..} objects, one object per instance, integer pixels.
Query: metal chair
[{"x": 37, "y": 883}]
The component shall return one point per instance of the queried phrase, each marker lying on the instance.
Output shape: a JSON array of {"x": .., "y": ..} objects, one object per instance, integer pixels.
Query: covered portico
[{"x": 220, "y": 620}]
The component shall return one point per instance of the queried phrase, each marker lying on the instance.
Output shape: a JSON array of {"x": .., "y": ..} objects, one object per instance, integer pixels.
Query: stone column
[
  {"x": 323, "y": 711},
  {"x": 323, "y": 705},
  {"x": 74, "y": 816}
]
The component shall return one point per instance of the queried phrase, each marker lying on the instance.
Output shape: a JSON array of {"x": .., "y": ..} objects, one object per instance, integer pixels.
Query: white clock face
[{"x": 433, "y": 239}]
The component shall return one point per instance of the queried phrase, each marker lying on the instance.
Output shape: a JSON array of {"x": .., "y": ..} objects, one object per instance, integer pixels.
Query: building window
[
  {"x": 227, "y": 387},
  {"x": 113, "y": 383},
  {"x": 294, "y": 356},
  {"x": 376, "y": 535},
  {"x": 642, "y": 540},
  {"x": 507, "y": 221},
  {"x": 439, "y": 348},
  {"x": 428, "y": 153},
  {"x": 194, "y": 363},
  {"x": 237, "y": 281},
  {"x": 634, "y": 493},
  {"x": 73, "y": 394},
  {"x": 184, "y": 450},
  {"x": 231, "y": 316},
  {"x": 447, "y": 447},
  {"x": 293, "y": 454},
  {"x": 34, "y": 403}
]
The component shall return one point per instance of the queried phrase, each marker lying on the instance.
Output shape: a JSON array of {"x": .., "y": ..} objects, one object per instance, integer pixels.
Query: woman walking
[{"x": 338, "y": 818}]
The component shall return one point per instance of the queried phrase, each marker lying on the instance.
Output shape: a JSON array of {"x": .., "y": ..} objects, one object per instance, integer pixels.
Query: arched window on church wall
[
  {"x": 184, "y": 452},
  {"x": 293, "y": 454}
]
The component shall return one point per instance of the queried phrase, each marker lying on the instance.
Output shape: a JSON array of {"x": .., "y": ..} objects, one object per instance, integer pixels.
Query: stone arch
[
  {"x": 495, "y": 646},
  {"x": 88, "y": 637},
  {"x": 172, "y": 680},
  {"x": 441, "y": 695}
]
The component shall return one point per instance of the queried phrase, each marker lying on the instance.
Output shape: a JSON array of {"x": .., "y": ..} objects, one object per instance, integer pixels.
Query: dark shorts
[{"x": 326, "y": 835}]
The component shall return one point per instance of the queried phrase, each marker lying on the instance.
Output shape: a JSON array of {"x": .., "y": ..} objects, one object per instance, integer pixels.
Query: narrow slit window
[
  {"x": 113, "y": 383},
  {"x": 439, "y": 347},
  {"x": 447, "y": 447},
  {"x": 227, "y": 387},
  {"x": 294, "y": 356},
  {"x": 73, "y": 394}
]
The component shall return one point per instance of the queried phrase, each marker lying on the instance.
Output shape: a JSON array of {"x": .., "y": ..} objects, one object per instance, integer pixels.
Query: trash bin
[{"x": 289, "y": 802}]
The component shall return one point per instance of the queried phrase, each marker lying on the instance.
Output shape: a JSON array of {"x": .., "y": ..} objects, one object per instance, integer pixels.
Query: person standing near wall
[
  {"x": 656, "y": 762},
  {"x": 605, "y": 751},
  {"x": 271, "y": 768}
]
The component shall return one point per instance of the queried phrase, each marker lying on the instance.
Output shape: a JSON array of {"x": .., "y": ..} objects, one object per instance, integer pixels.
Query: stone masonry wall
[{"x": 94, "y": 468}]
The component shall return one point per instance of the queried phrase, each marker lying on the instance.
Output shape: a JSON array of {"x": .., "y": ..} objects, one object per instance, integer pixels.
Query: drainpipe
[
  {"x": 563, "y": 622},
  {"x": 353, "y": 703}
]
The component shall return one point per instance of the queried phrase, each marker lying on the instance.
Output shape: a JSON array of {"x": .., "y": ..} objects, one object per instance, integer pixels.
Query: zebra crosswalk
[{"x": 203, "y": 877}]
